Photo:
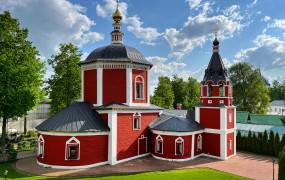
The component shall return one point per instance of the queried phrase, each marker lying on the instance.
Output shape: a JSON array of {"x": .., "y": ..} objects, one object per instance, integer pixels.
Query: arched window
[
  {"x": 210, "y": 89},
  {"x": 72, "y": 149},
  {"x": 221, "y": 89},
  {"x": 199, "y": 143},
  {"x": 41, "y": 146},
  {"x": 139, "y": 87},
  {"x": 179, "y": 146},
  {"x": 159, "y": 145},
  {"x": 137, "y": 121}
]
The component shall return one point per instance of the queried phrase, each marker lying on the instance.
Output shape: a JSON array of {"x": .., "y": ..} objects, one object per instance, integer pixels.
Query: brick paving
[{"x": 244, "y": 164}]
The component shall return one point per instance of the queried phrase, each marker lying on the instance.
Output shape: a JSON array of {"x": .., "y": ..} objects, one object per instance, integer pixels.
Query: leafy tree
[
  {"x": 277, "y": 91},
  {"x": 64, "y": 86},
  {"x": 248, "y": 141},
  {"x": 254, "y": 143},
  {"x": 265, "y": 143},
  {"x": 271, "y": 144},
  {"x": 250, "y": 91},
  {"x": 276, "y": 144},
  {"x": 21, "y": 72},
  {"x": 281, "y": 163},
  {"x": 282, "y": 142},
  {"x": 238, "y": 140},
  {"x": 259, "y": 144},
  {"x": 163, "y": 94},
  {"x": 179, "y": 88}
]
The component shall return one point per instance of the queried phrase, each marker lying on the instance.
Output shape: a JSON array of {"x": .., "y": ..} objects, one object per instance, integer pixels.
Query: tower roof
[{"x": 216, "y": 70}]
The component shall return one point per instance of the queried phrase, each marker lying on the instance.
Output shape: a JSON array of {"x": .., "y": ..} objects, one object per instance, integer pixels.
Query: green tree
[
  {"x": 277, "y": 91},
  {"x": 265, "y": 143},
  {"x": 281, "y": 163},
  {"x": 271, "y": 144},
  {"x": 238, "y": 140},
  {"x": 163, "y": 94},
  {"x": 21, "y": 72},
  {"x": 276, "y": 144},
  {"x": 192, "y": 93},
  {"x": 282, "y": 142},
  {"x": 64, "y": 86},
  {"x": 254, "y": 143},
  {"x": 249, "y": 141},
  {"x": 179, "y": 88},
  {"x": 259, "y": 144},
  {"x": 250, "y": 91}
]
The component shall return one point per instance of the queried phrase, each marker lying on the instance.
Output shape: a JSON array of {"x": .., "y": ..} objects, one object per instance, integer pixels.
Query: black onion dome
[
  {"x": 116, "y": 52},
  {"x": 216, "y": 42}
]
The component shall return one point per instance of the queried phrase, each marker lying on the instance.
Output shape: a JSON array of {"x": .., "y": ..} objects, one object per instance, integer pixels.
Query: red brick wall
[
  {"x": 127, "y": 138},
  {"x": 142, "y": 73},
  {"x": 210, "y": 117},
  {"x": 169, "y": 147},
  {"x": 114, "y": 85},
  {"x": 90, "y": 86},
  {"x": 93, "y": 149},
  {"x": 230, "y": 136},
  {"x": 230, "y": 124},
  {"x": 211, "y": 144}
]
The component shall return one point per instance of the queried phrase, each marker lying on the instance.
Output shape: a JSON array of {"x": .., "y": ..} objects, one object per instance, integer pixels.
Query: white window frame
[
  {"x": 158, "y": 139},
  {"x": 136, "y": 98},
  {"x": 199, "y": 143},
  {"x": 221, "y": 101},
  {"x": 67, "y": 143},
  {"x": 210, "y": 101},
  {"x": 134, "y": 117},
  {"x": 179, "y": 140},
  {"x": 41, "y": 147}
]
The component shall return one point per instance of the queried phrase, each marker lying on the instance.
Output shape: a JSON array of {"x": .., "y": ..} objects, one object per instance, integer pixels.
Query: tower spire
[
  {"x": 216, "y": 42},
  {"x": 116, "y": 34}
]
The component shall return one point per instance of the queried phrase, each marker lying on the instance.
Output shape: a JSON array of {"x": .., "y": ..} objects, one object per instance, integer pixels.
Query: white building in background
[{"x": 277, "y": 107}]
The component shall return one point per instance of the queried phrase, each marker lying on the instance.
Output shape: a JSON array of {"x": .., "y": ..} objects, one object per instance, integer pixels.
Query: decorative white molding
[
  {"x": 223, "y": 119},
  {"x": 129, "y": 111},
  {"x": 41, "y": 148},
  {"x": 172, "y": 160},
  {"x": 136, "y": 115},
  {"x": 223, "y": 146},
  {"x": 179, "y": 140},
  {"x": 129, "y": 85},
  {"x": 135, "y": 86},
  {"x": 235, "y": 143},
  {"x": 82, "y": 84},
  {"x": 158, "y": 138},
  {"x": 113, "y": 65},
  {"x": 112, "y": 139},
  {"x": 73, "y": 134},
  {"x": 218, "y": 131},
  {"x": 71, "y": 167},
  {"x": 193, "y": 146},
  {"x": 216, "y": 97},
  {"x": 169, "y": 133},
  {"x": 131, "y": 158},
  {"x": 197, "y": 114},
  {"x": 147, "y": 86},
  {"x": 69, "y": 142},
  {"x": 99, "y": 86}
]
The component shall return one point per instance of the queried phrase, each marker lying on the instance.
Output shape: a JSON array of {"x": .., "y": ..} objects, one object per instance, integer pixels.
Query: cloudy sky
[{"x": 175, "y": 36}]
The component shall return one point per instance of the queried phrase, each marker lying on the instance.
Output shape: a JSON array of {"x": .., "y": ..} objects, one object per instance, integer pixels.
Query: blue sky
[{"x": 175, "y": 36}]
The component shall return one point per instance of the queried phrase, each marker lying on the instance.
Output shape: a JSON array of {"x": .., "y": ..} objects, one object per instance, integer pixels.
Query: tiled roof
[
  {"x": 278, "y": 103},
  {"x": 242, "y": 116},
  {"x": 121, "y": 106},
  {"x": 259, "y": 119},
  {"x": 78, "y": 117}
]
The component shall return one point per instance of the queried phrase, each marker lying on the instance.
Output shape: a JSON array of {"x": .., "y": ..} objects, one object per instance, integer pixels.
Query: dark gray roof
[
  {"x": 116, "y": 52},
  {"x": 175, "y": 124},
  {"x": 121, "y": 106},
  {"x": 278, "y": 103},
  {"x": 78, "y": 117}
]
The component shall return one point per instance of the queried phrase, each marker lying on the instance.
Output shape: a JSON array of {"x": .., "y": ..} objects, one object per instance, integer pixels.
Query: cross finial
[{"x": 117, "y": 4}]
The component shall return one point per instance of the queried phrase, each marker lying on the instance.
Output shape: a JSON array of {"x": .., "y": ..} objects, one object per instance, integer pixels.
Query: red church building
[{"x": 115, "y": 121}]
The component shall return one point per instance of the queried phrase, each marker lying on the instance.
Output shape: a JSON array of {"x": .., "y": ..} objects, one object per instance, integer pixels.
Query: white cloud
[
  {"x": 51, "y": 22},
  {"x": 193, "y": 3},
  {"x": 252, "y": 4},
  {"x": 198, "y": 29},
  {"x": 278, "y": 23},
  {"x": 147, "y": 35},
  {"x": 266, "y": 18}
]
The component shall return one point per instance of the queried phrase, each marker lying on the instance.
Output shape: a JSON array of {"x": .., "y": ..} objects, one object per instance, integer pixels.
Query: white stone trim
[
  {"x": 181, "y": 140},
  {"x": 73, "y": 134},
  {"x": 147, "y": 86},
  {"x": 223, "y": 119},
  {"x": 235, "y": 143},
  {"x": 235, "y": 116},
  {"x": 112, "y": 139},
  {"x": 169, "y": 133},
  {"x": 66, "y": 147},
  {"x": 99, "y": 86},
  {"x": 218, "y": 131},
  {"x": 223, "y": 146},
  {"x": 216, "y": 97},
  {"x": 172, "y": 160},
  {"x": 131, "y": 158},
  {"x": 129, "y": 85},
  {"x": 135, "y": 86},
  {"x": 201, "y": 139},
  {"x": 139, "y": 104},
  {"x": 131, "y": 111},
  {"x": 72, "y": 167},
  {"x": 141, "y": 137},
  {"x": 158, "y": 138},
  {"x": 113, "y": 65},
  {"x": 193, "y": 146},
  {"x": 197, "y": 114},
  {"x": 136, "y": 115},
  {"x": 41, "y": 139},
  {"x": 82, "y": 84}
]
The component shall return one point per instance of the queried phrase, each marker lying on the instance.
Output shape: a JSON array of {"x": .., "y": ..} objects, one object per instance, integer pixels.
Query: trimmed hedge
[{"x": 260, "y": 143}]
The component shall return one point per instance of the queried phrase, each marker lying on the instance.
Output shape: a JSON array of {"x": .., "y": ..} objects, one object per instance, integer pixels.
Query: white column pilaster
[
  {"x": 82, "y": 84},
  {"x": 148, "y": 89},
  {"x": 223, "y": 119},
  {"x": 112, "y": 138},
  {"x": 223, "y": 145},
  {"x": 129, "y": 85},
  {"x": 235, "y": 133},
  {"x": 99, "y": 86},
  {"x": 192, "y": 146},
  {"x": 197, "y": 114}
]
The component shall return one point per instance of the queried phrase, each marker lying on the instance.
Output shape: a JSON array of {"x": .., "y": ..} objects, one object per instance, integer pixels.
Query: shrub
[
  {"x": 12, "y": 153},
  {"x": 281, "y": 163},
  {"x": 276, "y": 145}
]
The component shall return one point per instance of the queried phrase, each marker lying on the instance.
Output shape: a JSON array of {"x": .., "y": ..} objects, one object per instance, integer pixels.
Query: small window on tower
[
  {"x": 137, "y": 122},
  {"x": 210, "y": 89},
  {"x": 72, "y": 149},
  {"x": 179, "y": 146},
  {"x": 139, "y": 88},
  {"x": 221, "y": 89}
]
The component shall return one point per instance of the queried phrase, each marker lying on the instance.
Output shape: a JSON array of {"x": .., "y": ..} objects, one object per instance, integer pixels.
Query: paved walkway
[{"x": 244, "y": 164}]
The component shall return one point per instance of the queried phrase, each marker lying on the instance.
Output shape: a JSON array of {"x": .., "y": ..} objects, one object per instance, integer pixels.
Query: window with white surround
[
  {"x": 221, "y": 89},
  {"x": 209, "y": 101},
  {"x": 179, "y": 146},
  {"x": 159, "y": 145},
  {"x": 230, "y": 117},
  {"x": 137, "y": 121},
  {"x": 221, "y": 101},
  {"x": 199, "y": 143},
  {"x": 72, "y": 149},
  {"x": 210, "y": 89},
  {"x": 139, "y": 87},
  {"x": 231, "y": 144},
  {"x": 41, "y": 146}
]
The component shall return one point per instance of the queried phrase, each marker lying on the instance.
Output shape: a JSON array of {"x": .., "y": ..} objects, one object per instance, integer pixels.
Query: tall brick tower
[{"x": 216, "y": 111}]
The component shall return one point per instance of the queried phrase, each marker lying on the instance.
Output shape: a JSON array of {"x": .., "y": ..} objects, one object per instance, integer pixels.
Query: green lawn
[{"x": 196, "y": 174}]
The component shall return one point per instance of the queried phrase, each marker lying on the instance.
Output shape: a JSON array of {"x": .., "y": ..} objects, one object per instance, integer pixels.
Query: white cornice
[{"x": 73, "y": 134}]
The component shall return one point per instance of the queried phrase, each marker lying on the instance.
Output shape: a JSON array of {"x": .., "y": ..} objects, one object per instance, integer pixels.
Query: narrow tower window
[
  {"x": 41, "y": 146},
  {"x": 159, "y": 145},
  {"x": 179, "y": 146},
  {"x": 137, "y": 121},
  {"x": 210, "y": 89},
  {"x": 221, "y": 89},
  {"x": 139, "y": 87},
  {"x": 72, "y": 149}
]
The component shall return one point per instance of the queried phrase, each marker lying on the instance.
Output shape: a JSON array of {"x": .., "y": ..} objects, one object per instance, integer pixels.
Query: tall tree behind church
[
  {"x": 64, "y": 86},
  {"x": 163, "y": 94}
]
